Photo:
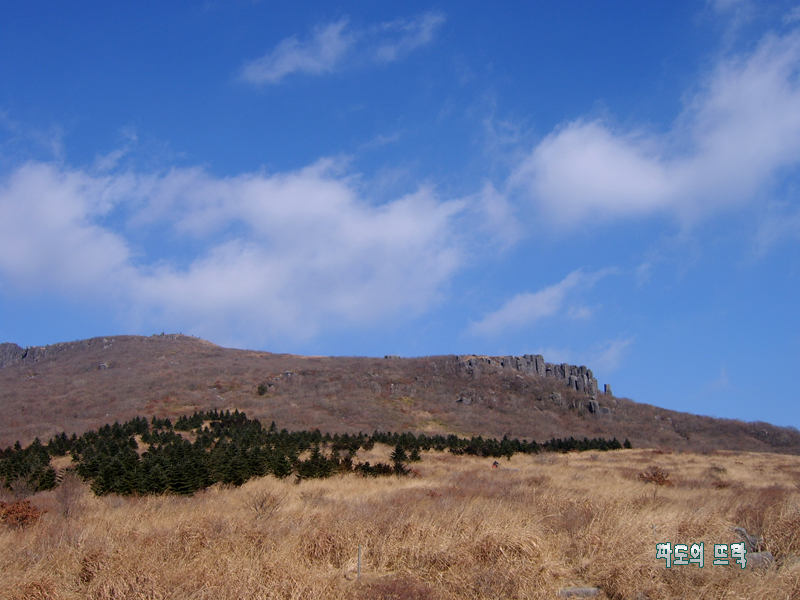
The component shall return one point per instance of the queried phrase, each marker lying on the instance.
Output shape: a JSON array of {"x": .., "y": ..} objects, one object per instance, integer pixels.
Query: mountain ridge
[{"x": 81, "y": 385}]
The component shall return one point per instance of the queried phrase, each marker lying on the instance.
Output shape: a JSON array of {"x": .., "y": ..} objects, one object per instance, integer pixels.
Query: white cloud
[
  {"x": 49, "y": 232},
  {"x": 496, "y": 217},
  {"x": 580, "y": 312},
  {"x": 332, "y": 46},
  {"x": 525, "y": 309},
  {"x": 792, "y": 16},
  {"x": 281, "y": 255},
  {"x": 405, "y": 35},
  {"x": 320, "y": 54},
  {"x": 731, "y": 140}
]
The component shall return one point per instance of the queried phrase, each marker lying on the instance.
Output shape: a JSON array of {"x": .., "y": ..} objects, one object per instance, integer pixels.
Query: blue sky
[{"x": 606, "y": 183}]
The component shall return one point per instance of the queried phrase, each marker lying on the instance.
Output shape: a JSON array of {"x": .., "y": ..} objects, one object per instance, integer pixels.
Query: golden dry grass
[{"x": 455, "y": 529}]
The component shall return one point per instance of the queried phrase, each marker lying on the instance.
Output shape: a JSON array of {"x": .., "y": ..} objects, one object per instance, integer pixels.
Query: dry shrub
[
  {"x": 21, "y": 488},
  {"x": 91, "y": 565},
  {"x": 400, "y": 587},
  {"x": 69, "y": 495},
  {"x": 496, "y": 548},
  {"x": 492, "y": 582},
  {"x": 655, "y": 475},
  {"x": 19, "y": 514},
  {"x": 571, "y": 517},
  {"x": 537, "y": 480},
  {"x": 632, "y": 581},
  {"x": 756, "y": 507},
  {"x": 782, "y": 531},
  {"x": 263, "y": 504},
  {"x": 324, "y": 545},
  {"x": 36, "y": 590},
  {"x": 694, "y": 527}
]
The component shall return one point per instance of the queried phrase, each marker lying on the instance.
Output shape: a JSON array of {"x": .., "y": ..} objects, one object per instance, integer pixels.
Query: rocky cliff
[
  {"x": 12, "y": 353},
  {"x": 579, "y": 378}
]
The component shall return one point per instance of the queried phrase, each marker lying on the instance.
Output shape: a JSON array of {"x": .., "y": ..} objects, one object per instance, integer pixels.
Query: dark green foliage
[
  {"x": 61, "y": 445},
  {"x": 189, "y": 423},
  {"x": 374, "y": 470},
  {"x": 31, "y": 464},
  {"x": 229, "y": 448},
  {"x": 316, "y": 465},
  {"x": 559, "y": 445},
  {"x": 399, "y": 457}
]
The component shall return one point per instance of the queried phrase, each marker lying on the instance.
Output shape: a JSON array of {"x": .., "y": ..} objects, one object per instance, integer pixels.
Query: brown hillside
[{"x": 78, "y": 386}]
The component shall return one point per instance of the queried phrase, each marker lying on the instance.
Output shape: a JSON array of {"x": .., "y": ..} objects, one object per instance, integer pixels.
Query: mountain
[{"x": 76, "y": 386}]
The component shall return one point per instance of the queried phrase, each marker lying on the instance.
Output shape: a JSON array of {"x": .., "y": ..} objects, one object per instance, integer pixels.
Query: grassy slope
[
  {"x": 174, "y": 375},
  {"x": 458, "y": 529}
]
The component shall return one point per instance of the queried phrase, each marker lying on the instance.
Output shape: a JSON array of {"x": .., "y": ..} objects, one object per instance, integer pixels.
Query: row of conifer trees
[{"x": 227, "y": 447}]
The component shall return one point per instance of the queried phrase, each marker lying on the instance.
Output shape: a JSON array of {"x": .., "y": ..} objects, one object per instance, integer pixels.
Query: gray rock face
[
  {"x": 10, "y": 353},
  {"x": 539, "y": 362},
  {"x": 594, "y": 407},
  {"x": 759, "y": 560},
  {"x": 752, "y": 544},
  {"x": 607, "y": 390},
  {"x": 579, "y": 378}
]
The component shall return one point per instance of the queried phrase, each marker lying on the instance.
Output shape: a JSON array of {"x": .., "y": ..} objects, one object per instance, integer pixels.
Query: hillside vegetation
[
  {"x": 454, "y": 529},
  {"x": 78, "y": 386},
  {"x": 140, "y": 457}
]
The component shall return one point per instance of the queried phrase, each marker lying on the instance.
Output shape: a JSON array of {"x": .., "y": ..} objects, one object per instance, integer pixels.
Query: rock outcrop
[
  {"x": 579, "y": 378},
  {"x": 10, "y": 353}
]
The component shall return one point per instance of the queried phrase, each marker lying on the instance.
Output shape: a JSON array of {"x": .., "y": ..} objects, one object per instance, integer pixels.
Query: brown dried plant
[
  {"x": 19, "y": 513},
  {"x": 459, "y": 530}
]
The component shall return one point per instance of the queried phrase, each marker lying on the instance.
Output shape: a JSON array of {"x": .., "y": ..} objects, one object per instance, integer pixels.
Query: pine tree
[{"x": 398, "y": 457}]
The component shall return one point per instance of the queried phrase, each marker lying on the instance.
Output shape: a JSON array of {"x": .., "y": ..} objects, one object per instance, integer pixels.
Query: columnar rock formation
[
  {"x": 12, "y": 353},
  {"x": 579, "y": 378}
]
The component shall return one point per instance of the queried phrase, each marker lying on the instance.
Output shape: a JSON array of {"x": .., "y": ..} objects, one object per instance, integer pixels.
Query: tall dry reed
[{"x": 455, "y": 529}]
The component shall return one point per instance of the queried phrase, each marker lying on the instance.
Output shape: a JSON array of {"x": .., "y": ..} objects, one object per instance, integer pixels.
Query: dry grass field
[{"x": 455, "y": 528}]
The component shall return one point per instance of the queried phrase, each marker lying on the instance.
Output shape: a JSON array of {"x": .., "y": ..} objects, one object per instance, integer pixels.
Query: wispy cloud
[
  {"x": 525, "y": 309},
  {"x": 735, "y": 134},
  {"x": 721, "y": 382},
  {"x": 322, "y": 53},
  {"x": 779, "y": 224},
  {"x": 610, "y": 355},
  {"x": 23, "y": 139},
  {"x": 279, "y": 256},
  {"x": 338, "y": 45},
  {"x": 396, "y": 39}
]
